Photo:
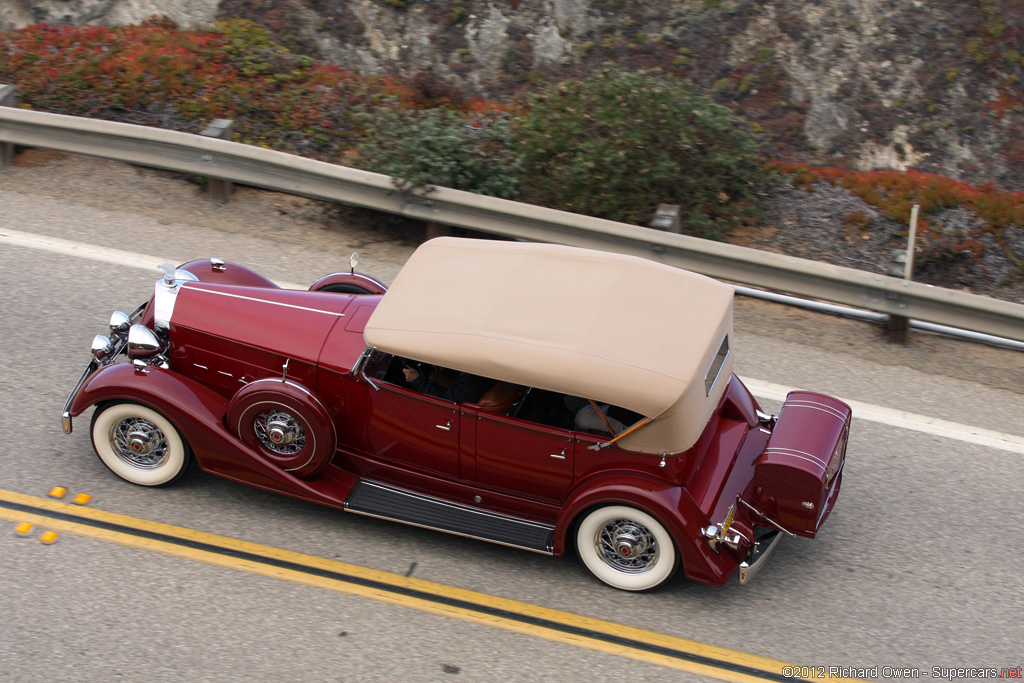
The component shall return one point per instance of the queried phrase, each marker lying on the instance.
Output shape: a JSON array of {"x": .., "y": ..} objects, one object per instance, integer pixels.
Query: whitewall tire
[
  {"x": 626, "y": 548},
  {"x": 139, "y": 444}
]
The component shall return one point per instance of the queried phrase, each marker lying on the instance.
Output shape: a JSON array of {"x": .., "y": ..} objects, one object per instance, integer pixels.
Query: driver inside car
[{"x": 464, "y": 388}]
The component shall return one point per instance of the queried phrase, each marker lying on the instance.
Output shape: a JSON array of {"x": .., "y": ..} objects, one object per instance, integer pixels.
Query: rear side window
[{"x": 716, "y": 366}]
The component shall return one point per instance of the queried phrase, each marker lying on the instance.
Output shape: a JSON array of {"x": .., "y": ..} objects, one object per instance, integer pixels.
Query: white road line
[
  {"x": 904, "y": 420},
  {"x": 93, "y": 252},
  {"x": 760, "y": 388}
]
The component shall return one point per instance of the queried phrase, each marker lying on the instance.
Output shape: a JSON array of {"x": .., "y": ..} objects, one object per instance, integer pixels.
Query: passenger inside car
[
  {"x": 451, "y": 385},
  {"x": 573, "y": 413},
  {"x": 592, "y": 417}
]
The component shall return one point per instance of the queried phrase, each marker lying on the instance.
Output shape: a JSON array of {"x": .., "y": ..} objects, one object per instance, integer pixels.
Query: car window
[
  {"x": 716, "y": 366},
  {"x": 548, "y": 408},
  {"x": 431, "y": 380},
  {"x": 378, "y": 366},
  {"x": 573, "y": 413}
]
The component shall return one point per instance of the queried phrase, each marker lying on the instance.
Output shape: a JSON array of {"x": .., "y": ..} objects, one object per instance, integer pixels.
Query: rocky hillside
[
  {"x": 861, "y": 85},
  {"x": 932, "y": 85}
]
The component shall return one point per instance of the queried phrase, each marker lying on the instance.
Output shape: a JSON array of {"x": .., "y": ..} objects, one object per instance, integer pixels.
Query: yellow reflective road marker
[
  {"x": 48, "y": 537},
  {"x": 58, "y": 491},
  {"x": 533, "y": 620},
  {"x": 23, "y": 529},
  {"x": 82, "y": 499}
]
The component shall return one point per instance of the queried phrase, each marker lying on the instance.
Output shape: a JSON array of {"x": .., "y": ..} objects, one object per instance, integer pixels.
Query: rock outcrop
[{"x": 900, "y": 84}]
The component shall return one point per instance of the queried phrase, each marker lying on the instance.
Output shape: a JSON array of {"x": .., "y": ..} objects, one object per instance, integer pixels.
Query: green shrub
[
  {"x": 722, "y": 85},
  {"x": 459, "y": 12},
  {"x": 439, "y": 147},
  {"x": 617, "y": 144}
]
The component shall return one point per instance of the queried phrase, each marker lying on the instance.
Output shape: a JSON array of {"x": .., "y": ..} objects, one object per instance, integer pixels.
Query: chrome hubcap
[
  {"x": 139, "y": 443},
  {"x": 279, "y": 432},
  {"x": 626, "y": 546}
]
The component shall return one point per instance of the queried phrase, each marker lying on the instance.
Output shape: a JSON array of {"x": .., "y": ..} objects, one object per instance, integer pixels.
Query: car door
[
  {"x": 523, "y": 458},
  {"x": 414, "y": 430}
]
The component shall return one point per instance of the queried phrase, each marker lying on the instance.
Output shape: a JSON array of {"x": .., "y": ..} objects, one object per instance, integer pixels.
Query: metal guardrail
[{"x": 274, "y": 170}]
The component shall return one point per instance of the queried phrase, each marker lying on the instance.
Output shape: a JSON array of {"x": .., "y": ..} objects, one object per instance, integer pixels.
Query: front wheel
[
  {"x": 626, "y": 548},
  {"x": 139, "y": 444}
]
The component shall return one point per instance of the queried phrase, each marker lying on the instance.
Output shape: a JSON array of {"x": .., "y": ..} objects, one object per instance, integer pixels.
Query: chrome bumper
[
  {"x": 757, "y": 556},
  {"x": 65, "y": 416}
]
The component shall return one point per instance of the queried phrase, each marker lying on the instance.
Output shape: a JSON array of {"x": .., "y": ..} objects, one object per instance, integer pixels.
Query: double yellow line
[{"x": 426, "y": 596}]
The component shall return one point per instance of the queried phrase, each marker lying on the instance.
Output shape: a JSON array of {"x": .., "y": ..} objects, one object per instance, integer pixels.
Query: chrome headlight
[
  {"x": 102, "y": 348},
  {"x": 142, "y": 343},
  {"x": 119, "y": 324}
]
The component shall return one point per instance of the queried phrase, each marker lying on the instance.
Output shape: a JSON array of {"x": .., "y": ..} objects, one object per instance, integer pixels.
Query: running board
[{"x": 387, "y": 502}]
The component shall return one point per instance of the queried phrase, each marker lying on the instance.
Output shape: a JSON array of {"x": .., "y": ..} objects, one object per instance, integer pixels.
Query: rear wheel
[
  {"x": 626, "y": 548},
  {"x": 139, "y": 444}
]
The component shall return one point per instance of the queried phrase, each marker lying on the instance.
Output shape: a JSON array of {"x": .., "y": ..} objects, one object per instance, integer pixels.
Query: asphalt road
[{"x": 917, "y": 567}]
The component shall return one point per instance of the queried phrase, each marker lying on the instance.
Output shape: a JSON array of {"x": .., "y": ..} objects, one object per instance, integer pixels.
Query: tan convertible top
[{"x": 617, "y": 329}]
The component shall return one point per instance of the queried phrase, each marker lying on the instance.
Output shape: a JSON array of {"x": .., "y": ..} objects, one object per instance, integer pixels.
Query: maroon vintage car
[{"x": 538, "y": 396}]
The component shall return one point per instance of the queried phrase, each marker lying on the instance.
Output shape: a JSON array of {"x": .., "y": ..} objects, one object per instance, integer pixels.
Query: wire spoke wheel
[
  {"x": 626, "y": 548},
  {"x": 279, "y": 432},
  {"x": 285, "y": 425},
  {"x": 139, "y": 444}
]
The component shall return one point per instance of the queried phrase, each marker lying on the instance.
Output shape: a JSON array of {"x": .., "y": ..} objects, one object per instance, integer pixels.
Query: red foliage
[
  {"x": 1005, "y": 102},
  {"x": 895, "y": 192},
  {"x": 158, "y": 74}
]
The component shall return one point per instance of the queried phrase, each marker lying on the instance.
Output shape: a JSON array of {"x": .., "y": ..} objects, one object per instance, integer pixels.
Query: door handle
[
  {"x": 559, "y": 456},
  {"x": 445, "y": 427}
]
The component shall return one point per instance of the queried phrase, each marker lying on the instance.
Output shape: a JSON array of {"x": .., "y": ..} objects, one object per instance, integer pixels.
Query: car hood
[{"x": 293, "y": 323}]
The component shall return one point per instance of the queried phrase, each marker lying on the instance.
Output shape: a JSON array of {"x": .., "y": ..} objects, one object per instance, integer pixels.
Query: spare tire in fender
[{"x": 286, "y": 423}]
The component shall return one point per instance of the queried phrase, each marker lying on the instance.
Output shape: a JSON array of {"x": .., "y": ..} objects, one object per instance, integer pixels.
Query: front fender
[
  {"x": 669, "y": 503},
  {"x": 227, "y": 273},
  {"x": 189, "y": 405},
  {"x": 198, "y": 413}
]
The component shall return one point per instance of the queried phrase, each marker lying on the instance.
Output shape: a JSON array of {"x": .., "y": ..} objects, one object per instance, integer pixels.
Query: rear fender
[
  {"x": 198, "y": 413},
  {"x": 670, "y": 504}
]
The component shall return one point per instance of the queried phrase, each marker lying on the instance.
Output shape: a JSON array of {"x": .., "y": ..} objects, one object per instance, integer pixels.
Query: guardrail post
[
  {"x": 899, "y": 326},
  {"x": 898, "y": 329},
  {"x": 8, "y": 98},
  {"x": 666, "y": 218},
  {"x": 218, "y": 188}
]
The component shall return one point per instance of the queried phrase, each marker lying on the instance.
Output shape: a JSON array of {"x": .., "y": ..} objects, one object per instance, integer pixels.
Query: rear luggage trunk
[{"x": 797, "y": 476}]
